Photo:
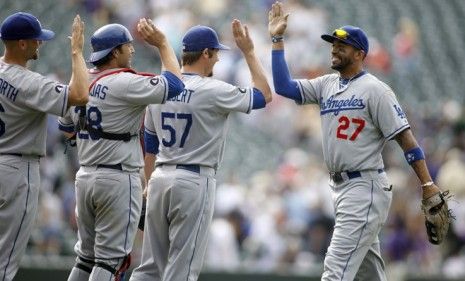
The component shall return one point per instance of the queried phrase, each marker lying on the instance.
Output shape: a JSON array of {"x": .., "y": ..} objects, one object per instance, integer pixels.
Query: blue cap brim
[
  {"x": 222, "y": 47},
  {"x": 45, "y": 35},
  {"x": 331, "y": 39}
]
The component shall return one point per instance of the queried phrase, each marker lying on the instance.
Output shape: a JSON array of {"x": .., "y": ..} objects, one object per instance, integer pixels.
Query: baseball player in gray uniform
[
  {"x": 25, "y": 99},
  {"x": 359, "y": 114},
  {"x": 188, "y": 135},
  {"x": 108, "y": 183}
]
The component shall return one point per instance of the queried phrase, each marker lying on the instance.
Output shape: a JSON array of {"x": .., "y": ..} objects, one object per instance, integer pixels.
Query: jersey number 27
[{"x": 345, "y": 123}]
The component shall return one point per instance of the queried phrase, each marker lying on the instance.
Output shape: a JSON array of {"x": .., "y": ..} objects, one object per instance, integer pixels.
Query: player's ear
[
  {"x": 22, "y": 44},
  {"x": 205, "y": 53}
]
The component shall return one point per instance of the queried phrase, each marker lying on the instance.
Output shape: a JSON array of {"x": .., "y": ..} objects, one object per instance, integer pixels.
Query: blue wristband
[{"x": 414, "y": 154}]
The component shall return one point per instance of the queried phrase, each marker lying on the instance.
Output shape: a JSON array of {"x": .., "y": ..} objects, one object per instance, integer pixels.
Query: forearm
[
  {"x": 168, "y": 59},
  {"x": 282, "y": 81},
  {"x": 258, "y": 75},
  {"x": 149, "y": 166},
  {"x": 407, "y": 141},
  {"x": 79, "y": 83}
]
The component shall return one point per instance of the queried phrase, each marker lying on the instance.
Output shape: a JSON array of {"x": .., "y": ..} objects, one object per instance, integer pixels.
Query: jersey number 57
[{"x": 167, "y": 122}]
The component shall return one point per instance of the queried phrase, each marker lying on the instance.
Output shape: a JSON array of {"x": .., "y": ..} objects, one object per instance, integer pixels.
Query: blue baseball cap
[
  {"x": 201, "y": 37},
  {"x": 24, "y": 26},
  {"x": 351, "y": 35}
]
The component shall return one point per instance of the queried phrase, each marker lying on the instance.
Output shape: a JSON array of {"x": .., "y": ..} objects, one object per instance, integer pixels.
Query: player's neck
[
  {"x": 194, "y": 69},
  {"x": 10, "y": 58},
  {"x": 350, "y": 73}
]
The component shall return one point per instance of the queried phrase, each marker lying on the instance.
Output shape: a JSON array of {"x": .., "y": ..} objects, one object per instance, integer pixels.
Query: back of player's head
[
  {"x": 351, "y": 35},
  {"x": 106, "y": 38},
  {"x": 199, "y": 38},
  {"x": 24, "y": 26}
]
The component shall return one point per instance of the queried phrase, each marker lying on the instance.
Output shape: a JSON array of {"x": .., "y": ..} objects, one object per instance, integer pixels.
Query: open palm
[{"x": 277, "y": 20}]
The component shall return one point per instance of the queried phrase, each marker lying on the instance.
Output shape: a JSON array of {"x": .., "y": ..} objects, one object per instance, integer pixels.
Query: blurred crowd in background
[{"x": 274, "y": 210}]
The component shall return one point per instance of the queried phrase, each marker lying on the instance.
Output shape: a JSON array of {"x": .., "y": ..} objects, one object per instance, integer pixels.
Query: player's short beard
[
  {"x": 35, "y": 56},
  {"x": 345, "y": 62}
]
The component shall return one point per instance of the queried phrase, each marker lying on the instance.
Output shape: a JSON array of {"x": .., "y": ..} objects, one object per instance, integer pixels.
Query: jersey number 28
[
  {"x": 167, "y": 118},
  {"x": 344, "y": 124}
]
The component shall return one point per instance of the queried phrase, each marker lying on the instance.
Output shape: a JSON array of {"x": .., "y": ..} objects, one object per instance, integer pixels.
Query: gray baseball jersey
[
  {"x": 116, "y": 105},
  {"x": 108, "y": 184},
  {"x": 356, "y": 119},
  {"x": 25, "y": 99},
  {"x": 191, "y": 129}
]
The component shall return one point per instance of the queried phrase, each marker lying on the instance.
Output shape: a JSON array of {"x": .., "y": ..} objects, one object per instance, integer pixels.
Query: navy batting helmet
[{"x": 106, "y": 39}]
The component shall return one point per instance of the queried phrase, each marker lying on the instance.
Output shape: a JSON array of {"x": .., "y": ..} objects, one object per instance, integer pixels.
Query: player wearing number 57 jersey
[
  {"x": 189, "y": 131},
  {"x": 359, "y": 114},
  {"x": 25, "y": 99},
  {"x": 108, "y": 183}
]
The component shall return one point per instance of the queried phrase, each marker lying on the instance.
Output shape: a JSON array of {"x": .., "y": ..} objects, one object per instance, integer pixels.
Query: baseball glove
[
  {"x": 142, "y": 215},
  {"x": 437, "y": 216}
]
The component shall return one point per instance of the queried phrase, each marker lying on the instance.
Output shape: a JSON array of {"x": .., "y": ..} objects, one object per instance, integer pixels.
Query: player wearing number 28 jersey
[{"x": 108, "y": 184}]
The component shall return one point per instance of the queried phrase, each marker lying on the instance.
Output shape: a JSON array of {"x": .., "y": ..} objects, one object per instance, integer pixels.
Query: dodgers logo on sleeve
[
  {"x": 154, "y": 81},
  {"x": 58, "y": 88},
  {"x": 400, "y": 113}
]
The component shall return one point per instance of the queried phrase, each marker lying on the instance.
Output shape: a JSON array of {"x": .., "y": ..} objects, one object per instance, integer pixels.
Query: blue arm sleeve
[
  {"x": 175, "y": 85},
  {"x": 283, "y": 84},
  {"x": 151, "y": 143},
  {"x": 258, "y": 99}
]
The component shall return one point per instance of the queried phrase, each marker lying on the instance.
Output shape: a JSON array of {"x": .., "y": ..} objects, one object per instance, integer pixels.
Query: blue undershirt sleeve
[
  {"x": 151, "y": 143},
  {"x": 175, "y": 85},
  {"x": 283, "y": 83},
  {"x": 258, "y": 99}
]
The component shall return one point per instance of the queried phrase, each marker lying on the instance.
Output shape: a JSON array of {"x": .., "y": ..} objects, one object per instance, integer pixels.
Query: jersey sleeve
[
  {"x": 232, "y": 98},
  {"x": 310, "y": 90},
  {"x": 143, "y": 90},
  {"x": 149, "y": 124},
  {"x": 150, "y": 136},
  {"x": 388, "y": 116},
  {"x": 48, "y": 95},
  {"x": 65, "y": 123}
]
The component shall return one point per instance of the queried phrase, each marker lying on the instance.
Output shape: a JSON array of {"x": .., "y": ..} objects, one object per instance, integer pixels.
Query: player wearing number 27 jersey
[
  {"x": 359, "y": 114},
  {"x": 187, "y": 134}
]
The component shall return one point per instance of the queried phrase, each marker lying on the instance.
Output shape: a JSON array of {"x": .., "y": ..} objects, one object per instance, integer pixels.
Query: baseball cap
[
  {"x": 351, "y": 35},
  {"x": 200, "y": 37},
  {"x": 24, "y": 26}
]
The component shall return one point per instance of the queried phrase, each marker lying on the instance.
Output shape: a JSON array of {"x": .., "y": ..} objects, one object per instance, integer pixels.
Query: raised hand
[
  {"x": 150, "y": 33},
  {"x": 277, "y": 20},
  {"x": 241, "y": 36},
  {"x": 77, "y": 35}
]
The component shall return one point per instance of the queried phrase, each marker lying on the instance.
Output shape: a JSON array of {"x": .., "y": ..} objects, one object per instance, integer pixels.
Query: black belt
[
  {"x": 13, "y": 154},
  {"x": 336, "y": 177},
  {"x": 114, "y": 167},
  {"x": 20, "y": 154},
  {"x": 192, "y": 168}
]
